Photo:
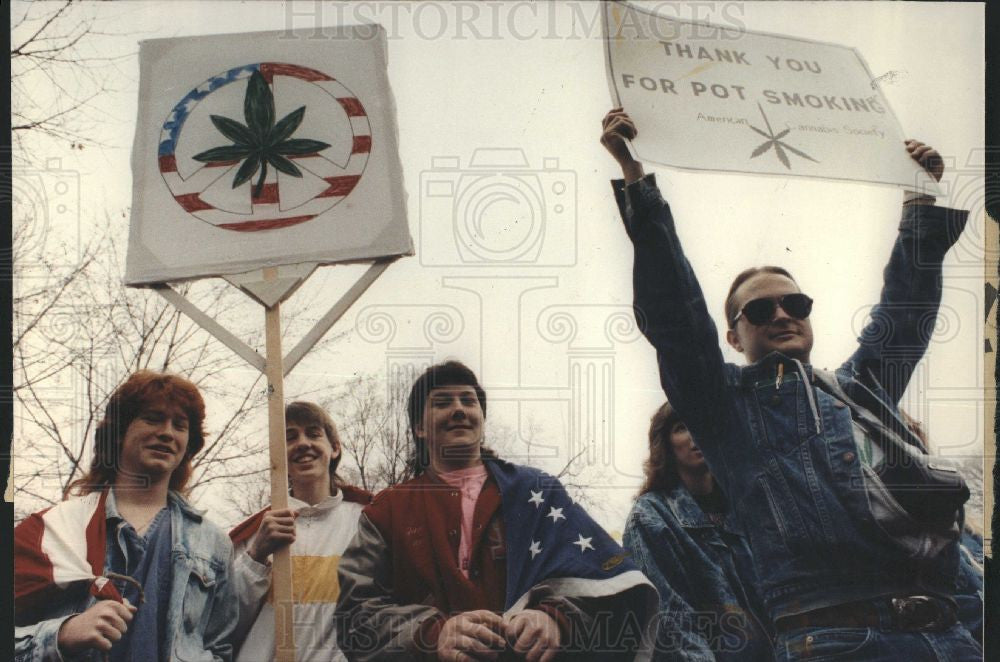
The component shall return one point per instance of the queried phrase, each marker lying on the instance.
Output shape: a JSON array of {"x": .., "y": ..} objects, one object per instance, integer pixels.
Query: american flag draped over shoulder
[
  {"x": 60, "y": 548},
  {"x": 549, "y": 537}
]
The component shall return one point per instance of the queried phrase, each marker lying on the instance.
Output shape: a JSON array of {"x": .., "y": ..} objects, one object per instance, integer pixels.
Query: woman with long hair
[{"x": 679, "y": 536}]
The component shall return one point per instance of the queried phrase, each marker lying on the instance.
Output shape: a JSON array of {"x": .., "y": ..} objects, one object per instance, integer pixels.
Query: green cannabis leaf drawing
[{"x": 262, "y": 140}]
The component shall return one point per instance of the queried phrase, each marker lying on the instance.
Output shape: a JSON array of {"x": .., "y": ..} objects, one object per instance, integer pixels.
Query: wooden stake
[
  {"x": 272, "y": 365},
  {"x": 221, "y": 334},
  {"x": 281, "y": 562},
  {"x": 335, "y": 313}
]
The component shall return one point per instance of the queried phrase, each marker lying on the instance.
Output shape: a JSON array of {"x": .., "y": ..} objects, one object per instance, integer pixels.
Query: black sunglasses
[{"x": 761, "y": 311}]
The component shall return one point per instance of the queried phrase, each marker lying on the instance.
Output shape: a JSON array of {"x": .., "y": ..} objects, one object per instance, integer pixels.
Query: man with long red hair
[{"x": 132, "y": 525}]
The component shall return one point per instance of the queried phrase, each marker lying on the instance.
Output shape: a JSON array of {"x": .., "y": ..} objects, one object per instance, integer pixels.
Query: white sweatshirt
[{"x": 322, "y": 533}]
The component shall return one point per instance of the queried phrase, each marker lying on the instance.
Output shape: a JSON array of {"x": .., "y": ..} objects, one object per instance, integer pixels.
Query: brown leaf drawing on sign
[{"x": 775, "y": 141}]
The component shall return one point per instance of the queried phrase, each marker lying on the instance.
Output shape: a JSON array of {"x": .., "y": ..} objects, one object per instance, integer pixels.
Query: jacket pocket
[
  {"x": 785, "y": 416},
  {"x": 817, "y": 645},
  {"x": 198, "y": 594}
]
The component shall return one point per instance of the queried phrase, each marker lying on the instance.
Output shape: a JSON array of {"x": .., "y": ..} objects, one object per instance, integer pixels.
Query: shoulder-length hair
[
  {"x": 142, "y": 390},
  {"x": 660, "y": 468}
]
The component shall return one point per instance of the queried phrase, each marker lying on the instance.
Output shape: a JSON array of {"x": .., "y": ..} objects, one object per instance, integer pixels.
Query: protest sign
[
  {"x": 720, "y": 98},
  {"x": 277, "y": 144},
  {"x": 258, "y": 156}
]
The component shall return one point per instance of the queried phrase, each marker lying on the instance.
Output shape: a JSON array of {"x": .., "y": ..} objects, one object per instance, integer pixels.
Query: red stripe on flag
[
  {"x": 362, "y": 144},
  {"x": 35, "y": 570},
  {"x": 103, "y": 589},
  {"x": 168, "y": 163},
  {"x": 339, "y": 185},
  {"x": 192, "y": 202},
  {"x": 352, "y": 107},
  {"x": 32, "y": 567},
  {"x": 271, "y": 69},
  {"x": 245, "y": 529},
  {"x": 268, "y": 194},
  {"x": 96, "y": 536},
  {"x": 254, "y": 226}
]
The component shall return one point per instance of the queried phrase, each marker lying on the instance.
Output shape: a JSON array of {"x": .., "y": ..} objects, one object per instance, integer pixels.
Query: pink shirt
[{"x": 469, "y": 482}]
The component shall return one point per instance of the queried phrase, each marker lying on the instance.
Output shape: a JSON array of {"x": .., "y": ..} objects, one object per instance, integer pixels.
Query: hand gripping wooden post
[
  {"x": 281, "y": 560},
  {"x": 269, "y": 287}
]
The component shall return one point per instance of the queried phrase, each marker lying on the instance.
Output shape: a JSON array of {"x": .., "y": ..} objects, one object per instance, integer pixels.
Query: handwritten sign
[
  {"x": 263, "y": 149},
  {"x": 706, "y": 97}
]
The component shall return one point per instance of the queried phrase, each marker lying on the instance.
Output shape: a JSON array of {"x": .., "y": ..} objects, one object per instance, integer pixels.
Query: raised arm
[
  {"x": 896, "y": 337},
  {"x": 669, "y": 305}
]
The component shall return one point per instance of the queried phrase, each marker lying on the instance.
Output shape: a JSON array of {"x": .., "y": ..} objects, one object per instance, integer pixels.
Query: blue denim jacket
[
  {"x": 202, "y": 604},
  {"x": 708, "y": 606},
  {"x": 970, "y": 586},
  {"x": 784, "y": 452}
]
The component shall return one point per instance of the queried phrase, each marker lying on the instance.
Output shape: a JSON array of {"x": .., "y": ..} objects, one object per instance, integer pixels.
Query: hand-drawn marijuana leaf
[
  {"x": 262, "y": 140},
  {"x": 775, "y": 141}
]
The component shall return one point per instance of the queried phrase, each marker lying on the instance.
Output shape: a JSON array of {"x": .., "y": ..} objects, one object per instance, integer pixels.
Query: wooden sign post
[
  {"x": 252, "y": 141},
  {"x": 270, "y": 287},
  {"x": 281, "y": 561}
]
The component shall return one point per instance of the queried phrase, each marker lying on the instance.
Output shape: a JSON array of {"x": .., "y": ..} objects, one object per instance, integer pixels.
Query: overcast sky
[{"x": 555, "y": 337}]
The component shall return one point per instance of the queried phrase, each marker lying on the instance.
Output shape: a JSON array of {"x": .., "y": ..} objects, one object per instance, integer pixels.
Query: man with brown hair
[
  {"x": 320, "y": 521},
  {"x": 477, "y": 558},
  {"x": 853, "y": 532}
]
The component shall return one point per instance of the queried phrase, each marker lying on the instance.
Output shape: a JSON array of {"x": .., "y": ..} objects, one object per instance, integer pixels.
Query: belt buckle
[{"x": 918, "y": 612}]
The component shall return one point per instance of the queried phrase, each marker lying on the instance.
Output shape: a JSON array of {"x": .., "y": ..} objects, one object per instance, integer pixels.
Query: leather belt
[{"x": 916, "y": 613}]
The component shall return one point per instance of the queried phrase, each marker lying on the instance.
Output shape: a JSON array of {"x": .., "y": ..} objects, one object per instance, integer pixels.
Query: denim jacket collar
[
  {"x": 766, "y": 370},
  {"x": 685, "y": 509},
  {"x": 175, "y": 502},
  {"x": 186, "y": 509}
]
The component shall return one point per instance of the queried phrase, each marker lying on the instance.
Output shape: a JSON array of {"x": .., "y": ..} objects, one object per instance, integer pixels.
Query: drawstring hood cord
[{"x": 801, "y": 369}]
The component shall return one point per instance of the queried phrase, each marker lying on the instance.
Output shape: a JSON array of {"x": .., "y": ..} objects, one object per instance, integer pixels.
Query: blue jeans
[{"x": 878, "y": 645}]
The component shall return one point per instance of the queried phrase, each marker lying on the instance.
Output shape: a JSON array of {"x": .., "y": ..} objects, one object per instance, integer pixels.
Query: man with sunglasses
[{"x": 844, "y": 569}]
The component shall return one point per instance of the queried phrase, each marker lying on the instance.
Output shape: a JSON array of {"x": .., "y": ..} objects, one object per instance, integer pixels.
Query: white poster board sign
[
  {"x": 263, "y": 149},
  {"x": 717, "y": 98}
]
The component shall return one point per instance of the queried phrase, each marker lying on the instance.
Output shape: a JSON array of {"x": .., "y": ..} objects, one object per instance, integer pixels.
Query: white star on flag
[
  {"x": 584, "y": 543},
  {"x": 555, "y": 514},
  {"x": 536, "y": 498},
  {"x": 535, "y": 548}
]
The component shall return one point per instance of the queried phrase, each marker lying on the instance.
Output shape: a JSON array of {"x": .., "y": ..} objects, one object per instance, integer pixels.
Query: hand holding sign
[
  {"x": 619, "y": 127},
  {"x": 755, "y": 103},
  {"x": 927, "y": 157}
]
